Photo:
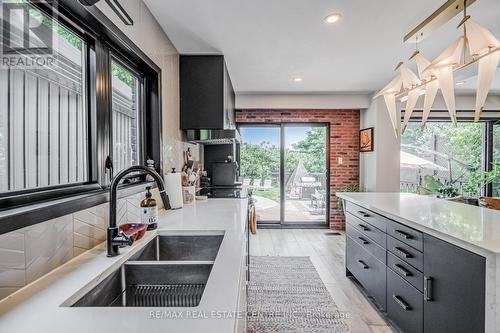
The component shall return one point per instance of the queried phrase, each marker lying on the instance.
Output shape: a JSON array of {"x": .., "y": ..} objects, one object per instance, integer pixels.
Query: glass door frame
[{"x": 298, "y": 224}]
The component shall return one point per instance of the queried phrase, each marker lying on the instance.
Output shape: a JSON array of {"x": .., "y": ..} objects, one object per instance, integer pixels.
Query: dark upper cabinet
[
  {"x": 207, "y": 98},
  {"x": 454, "y": 288}
]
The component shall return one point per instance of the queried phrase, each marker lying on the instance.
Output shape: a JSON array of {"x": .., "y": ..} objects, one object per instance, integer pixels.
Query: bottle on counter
[{"x": 149, "y": 208}]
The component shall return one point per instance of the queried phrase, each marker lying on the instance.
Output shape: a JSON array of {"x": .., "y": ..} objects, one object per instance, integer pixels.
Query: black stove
[{"x": 229, "y": 192}]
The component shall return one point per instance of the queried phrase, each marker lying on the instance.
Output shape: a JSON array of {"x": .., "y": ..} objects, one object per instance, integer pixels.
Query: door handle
[
  {"x": 401, "y": 302},
  {"x": 402, "y": 252},
  {"x": 402, "y": 234},
  {"x": 363, "y": 240},
  {"x": 427, "y": 288},
  {"x": 362, "y": 263},
  {"x": 363, "y": 213},
  {"x": 401, "y": 270},
  {"x": 363, "y": 227}
]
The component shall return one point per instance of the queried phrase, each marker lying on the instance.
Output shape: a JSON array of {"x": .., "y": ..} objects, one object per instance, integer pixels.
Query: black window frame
[
  {"x": 136, "y": 71},
  {"x": 103, "y": 41}
]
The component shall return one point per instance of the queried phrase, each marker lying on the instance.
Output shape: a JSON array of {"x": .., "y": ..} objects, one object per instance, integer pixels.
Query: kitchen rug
[{"x": 286, "y": 294}]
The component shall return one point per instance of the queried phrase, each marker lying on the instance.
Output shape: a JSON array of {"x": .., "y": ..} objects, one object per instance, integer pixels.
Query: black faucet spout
[{"x": 115, "y": 240}]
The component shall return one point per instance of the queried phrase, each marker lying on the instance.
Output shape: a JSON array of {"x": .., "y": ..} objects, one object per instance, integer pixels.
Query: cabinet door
[
  {"x": 454, "y": 288},
  {"x": 229, "y": 102},
  {"x": 201, "y": 92}
]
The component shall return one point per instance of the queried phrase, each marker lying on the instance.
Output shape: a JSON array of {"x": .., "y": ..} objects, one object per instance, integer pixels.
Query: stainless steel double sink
[{"x": 169, "y": 271}]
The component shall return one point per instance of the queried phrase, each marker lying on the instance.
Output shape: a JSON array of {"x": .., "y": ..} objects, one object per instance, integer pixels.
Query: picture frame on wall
[{"x": 366, "y": 139}]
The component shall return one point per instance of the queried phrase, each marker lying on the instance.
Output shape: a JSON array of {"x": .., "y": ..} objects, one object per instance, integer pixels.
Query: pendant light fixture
[
  {"x": 410, "y": 80},
  {"x": 483, "y": 48},
  {"x": 431, "y": 88},
  {"x": 389, "y": 92},
  {"x": 481, "y": 42},
  {"x": 442, "y": 67}
]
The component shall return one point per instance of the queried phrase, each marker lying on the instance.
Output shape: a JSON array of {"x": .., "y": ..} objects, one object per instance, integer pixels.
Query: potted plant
[
  {"x": 433, "y": 186},
  {"x": 477, "y": 181},
  {"x": 347, "y": 188}
]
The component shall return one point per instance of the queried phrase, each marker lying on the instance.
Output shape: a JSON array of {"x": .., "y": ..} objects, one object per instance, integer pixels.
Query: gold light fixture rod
[{"x": 440, "y": 17}]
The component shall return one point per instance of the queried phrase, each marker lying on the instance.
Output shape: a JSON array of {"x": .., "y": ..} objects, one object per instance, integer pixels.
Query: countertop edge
[{"x": 432, "y": 232}]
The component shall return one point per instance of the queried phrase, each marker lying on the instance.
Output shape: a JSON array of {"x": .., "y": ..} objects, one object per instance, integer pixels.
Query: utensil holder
[{"x": 188, "y": 194}]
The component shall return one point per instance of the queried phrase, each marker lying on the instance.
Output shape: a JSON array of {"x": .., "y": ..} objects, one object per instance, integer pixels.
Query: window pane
[
  {"x": 43, "y": 118},
  {"x": 451, "y": 155},
  {"x": 496, "y": 157},
  {"x": 125, "y": 130},
  {"x": 260, "y": 169},
  {"x": 305, "y": 174}
]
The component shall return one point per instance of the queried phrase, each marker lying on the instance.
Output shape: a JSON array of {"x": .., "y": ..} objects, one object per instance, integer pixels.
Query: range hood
[{"x": 213, "y": 136}]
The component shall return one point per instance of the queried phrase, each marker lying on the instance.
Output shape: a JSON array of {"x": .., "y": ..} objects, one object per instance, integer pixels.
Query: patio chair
[
  {"x": 256, "y": 184},
  {"x": 267, "y": 184}
]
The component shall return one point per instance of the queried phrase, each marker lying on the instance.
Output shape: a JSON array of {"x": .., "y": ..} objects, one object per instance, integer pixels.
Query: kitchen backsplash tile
[
  {"x": 48, "y": 245},
  {"x": 6, "y": 291},
  {"x": 31, "y": 252},
  {"x": 12, "y": 277}
]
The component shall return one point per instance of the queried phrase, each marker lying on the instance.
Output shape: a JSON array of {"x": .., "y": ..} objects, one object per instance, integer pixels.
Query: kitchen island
[
  {"x": 43, "y": 306},
  {"x": 429, "y": 264}
]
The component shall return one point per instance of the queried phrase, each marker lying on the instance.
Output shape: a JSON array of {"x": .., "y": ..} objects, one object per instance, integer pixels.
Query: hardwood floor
[{"x": 327, "y": 254}]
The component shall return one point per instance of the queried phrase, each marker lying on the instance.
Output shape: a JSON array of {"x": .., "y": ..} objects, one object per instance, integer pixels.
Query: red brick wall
[{"x": 344, "y": 142}]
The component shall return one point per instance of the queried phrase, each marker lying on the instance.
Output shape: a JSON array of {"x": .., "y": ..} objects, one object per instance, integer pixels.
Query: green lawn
[{"x": 272, "y": 193}]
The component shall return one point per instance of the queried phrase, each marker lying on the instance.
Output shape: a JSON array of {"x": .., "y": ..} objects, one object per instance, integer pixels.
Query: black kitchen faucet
[{"x": 115, "y": 239}]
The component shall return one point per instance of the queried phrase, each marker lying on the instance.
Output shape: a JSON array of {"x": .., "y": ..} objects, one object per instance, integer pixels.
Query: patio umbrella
[{"x": 411, "y": 161}]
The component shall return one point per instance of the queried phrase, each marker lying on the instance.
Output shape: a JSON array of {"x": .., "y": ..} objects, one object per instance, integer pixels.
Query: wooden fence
[{"x": 44, "y": 127}]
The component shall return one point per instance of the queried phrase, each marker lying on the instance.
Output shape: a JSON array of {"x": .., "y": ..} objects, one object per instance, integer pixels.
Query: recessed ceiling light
[
  {"x": 298, "y": 79},
  {"x": 332, "y": 18},
  {"x": 459, "y": 83}
]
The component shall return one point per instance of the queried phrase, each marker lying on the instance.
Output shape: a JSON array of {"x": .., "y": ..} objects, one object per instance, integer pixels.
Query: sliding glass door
[
  {"x": 305, "y": 174},
  {"x": 286, "y": 166}
]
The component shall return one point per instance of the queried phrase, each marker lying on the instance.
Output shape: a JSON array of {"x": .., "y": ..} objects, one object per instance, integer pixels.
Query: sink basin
[
  {"x": 180, "y": 248},
  {"x": 137, "y": 284},
  {"x": 169, "y": 271}
]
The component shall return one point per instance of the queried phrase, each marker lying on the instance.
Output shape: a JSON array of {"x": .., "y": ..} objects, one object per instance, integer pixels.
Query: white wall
[
  {"x": 147, "y": 34},
  {"x": 379, "y": 170},
  {"x": 302, "y": 101}
]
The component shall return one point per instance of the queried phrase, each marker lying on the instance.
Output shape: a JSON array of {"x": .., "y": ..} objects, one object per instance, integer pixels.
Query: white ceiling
[{"x": 269, "y": 42}]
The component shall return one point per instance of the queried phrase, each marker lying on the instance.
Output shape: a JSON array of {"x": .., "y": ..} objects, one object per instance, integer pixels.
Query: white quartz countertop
[
  {"x": 37, "y": 307},
  {"x": 474, "y": 228}
]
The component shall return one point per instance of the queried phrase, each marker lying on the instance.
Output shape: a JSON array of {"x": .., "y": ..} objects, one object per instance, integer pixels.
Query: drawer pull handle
[
  {"x": 427, "y": 288},
  {"x": 363, "y": 213},
  {"x": 402, "y": 234},
  {"x": 401, "y": 270},
  {"x": 363, "y": 240},
  {"x": 402, "y": 252},
  {"x": 364, "y": 227},
  {"x": 362, "y": 263},
  {"x": 401, "y": 302}
]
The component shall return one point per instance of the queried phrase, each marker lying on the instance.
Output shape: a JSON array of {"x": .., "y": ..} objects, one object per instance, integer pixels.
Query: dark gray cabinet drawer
[
  {"x": 368, "y": 270},
  {"x": 367, "y": 229},
  {"x": 367, "y": 215},
  {"x": 366, "y": 242},
  {"x": 406, "y": 253},
  {"x": 406, "y": 271},
  {"x": 405, "y": 234},
  {"x": 405, "y": 304}
]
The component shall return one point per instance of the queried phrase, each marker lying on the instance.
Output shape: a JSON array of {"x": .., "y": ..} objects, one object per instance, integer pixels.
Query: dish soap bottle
[{"x": 149, "y": 210}]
